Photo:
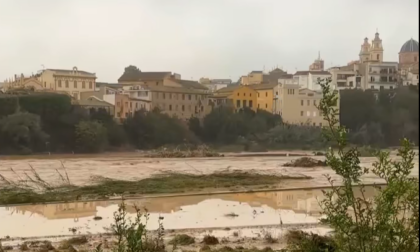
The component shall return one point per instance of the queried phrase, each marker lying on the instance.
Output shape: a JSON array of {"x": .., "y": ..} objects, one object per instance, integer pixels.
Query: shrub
[{"x": 91, "y": 136}]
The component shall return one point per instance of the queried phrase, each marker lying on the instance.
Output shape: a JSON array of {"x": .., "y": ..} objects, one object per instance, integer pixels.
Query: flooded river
[{"x": 288, "y": 208}]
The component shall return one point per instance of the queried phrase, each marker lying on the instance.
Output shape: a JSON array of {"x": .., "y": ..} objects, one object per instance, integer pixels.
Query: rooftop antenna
[{"x": 319, "y": 55}]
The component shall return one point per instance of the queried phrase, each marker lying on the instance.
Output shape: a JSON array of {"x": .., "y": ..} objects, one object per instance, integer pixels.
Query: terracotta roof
[
  {"x": 143, "y": 76},
  {"x": 110, "y": 85},
  {"x": 262, "y": 86},
  {"x": 176, "y": 89},
  {"x": 312, "y": 72},
  {"x": 228, "y": 89},
  {"x": 191, "y": 84}
]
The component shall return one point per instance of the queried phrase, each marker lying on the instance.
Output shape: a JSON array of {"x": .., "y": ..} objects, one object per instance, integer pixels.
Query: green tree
[
  {"x": 116, "y": 133},
  {"x": 22, "y": 132},
  {"x": 387, "y": 222},
  {"x": 91, "y": 136}
]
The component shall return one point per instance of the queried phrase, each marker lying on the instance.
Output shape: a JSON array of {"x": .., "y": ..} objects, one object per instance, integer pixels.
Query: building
[
  {"x": 299, "y": 105},
  {"x": 309, "y": 79},
  {"x": 167, "y": 92},
  {"x": 410, "y": 77},
  {"x": 215, "y": 84},
  {"x": 345, "y": 78},
  {"x": 96, "y": 104},
  {"x": 369, "y": 72},
  {"x": 409, "y": 55},
  {"x": 379, "y": 75},
  {"x": 70, "y": 81},
  {"x": 318, "y": 64},
  {"x": 259, "y": 77}
]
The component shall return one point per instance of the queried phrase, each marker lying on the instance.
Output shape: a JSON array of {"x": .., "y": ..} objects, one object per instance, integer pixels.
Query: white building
[
  {"x": 379, "y": 75},
  {"x": 309, "y": 79}
]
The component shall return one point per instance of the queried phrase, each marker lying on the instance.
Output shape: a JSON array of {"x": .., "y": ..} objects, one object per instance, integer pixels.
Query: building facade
[
  {"x": 309, "y": 79},
  {"x": 299, "y": 106}
]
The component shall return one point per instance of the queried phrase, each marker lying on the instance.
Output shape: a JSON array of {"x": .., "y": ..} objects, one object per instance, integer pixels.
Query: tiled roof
[
  {"x": 143, "y": 76},
  {"x": 262, "y": 86},
  {"x": 176, "y": 89},
  {"x": 191, "y": 84},
  {"x": 259, "y": 72}
]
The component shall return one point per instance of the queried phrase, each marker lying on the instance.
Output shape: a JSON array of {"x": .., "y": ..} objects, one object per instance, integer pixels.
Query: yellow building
[{"x": 257, "y": 96}]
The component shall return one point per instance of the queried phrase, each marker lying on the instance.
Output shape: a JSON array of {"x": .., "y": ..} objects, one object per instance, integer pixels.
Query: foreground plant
[
  {"x": 132, "y": 235},
  {"x": 387, "y": 222}
]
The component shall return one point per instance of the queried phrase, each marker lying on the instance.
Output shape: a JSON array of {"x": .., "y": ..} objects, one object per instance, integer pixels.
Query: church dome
[{"x": 410, "y": 46}]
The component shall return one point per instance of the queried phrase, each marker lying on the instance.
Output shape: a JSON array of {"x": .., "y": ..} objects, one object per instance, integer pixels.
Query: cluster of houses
[{"x": 293, "y": 96}]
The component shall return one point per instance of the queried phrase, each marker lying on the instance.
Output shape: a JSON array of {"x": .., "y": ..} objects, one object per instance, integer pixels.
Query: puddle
[{"x": 278, "y": 208}]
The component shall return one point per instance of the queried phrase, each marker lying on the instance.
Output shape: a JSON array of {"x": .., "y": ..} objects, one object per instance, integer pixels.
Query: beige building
[
  {"x": 168, "y": 92},
  {"x": 298, "y": 106},
  {"x": 70, "y": 81}
]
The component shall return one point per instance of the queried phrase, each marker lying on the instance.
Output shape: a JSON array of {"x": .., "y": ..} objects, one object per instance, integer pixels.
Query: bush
[
  {"x": 22, "y": 132},
  {"x": 91, "y": 136},
  {"x": 387, "y": 222}
]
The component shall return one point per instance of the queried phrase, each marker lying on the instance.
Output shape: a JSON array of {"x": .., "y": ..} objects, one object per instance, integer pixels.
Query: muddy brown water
[{"x": 237, "y": 210}]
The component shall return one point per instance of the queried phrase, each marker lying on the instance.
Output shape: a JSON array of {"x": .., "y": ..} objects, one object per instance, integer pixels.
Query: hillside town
[{"x": 293, "y": 96}]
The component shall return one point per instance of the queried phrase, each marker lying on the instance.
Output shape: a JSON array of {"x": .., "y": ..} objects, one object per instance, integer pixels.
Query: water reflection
[{"x": 252, "y": 209}]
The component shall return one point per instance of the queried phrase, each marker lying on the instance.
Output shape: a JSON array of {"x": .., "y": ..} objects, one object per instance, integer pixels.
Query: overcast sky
[{"x": 196, "y": 38}]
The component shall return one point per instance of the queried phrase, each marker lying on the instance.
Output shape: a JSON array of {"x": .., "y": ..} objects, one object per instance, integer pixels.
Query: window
[
  {"x": 250, "y": 103},
  {"x": 137, "y": 105},
  {"x": 266, "y": 106},
  {"x": 381, "y": 87},
  {"x": 250, "y": 95},
  {"x": 238, "y": 94},
  {"x": 258, "y": 94},
  {"x": 415, "y": 58},
  {"x": 189, "y": 97},
  {"x": 183, "y": 97},
  {"x": 314, "y": 113},
  {"x": 258, "y": 105},
  {"x": 301, "y": 102},
  {"x": 164, "y": 95},
  {"x": 308, "y": 113},
  {"x": 377, "y": 56},
  {"x": 308, "y": 102},
  {"x": 183, "y": 108},
  {"x": 244, "y": 103},
  {"x": 266, "y": 94},
  {"x": 372, "y": 79},
  {"x": 314, "y": 124},
  {"x": 131, "y": 104},
  {"x": 202, "y": 108},
  {"x": 301, "y": 113},
  {"x": 372, "y": 87},
  {"x": 244, "y": 94},
  {"x": 238, "y": 103},
  {"x": 277, "y": 93},
  {"x": 391, "y": 87},
  {"x": 67, "y": 84},
  {"x": 83, "y": 84},
  {"x": 314, "y": 102},
  {"x": 59, "y": 83},
  {"x": 90, "y": 85}
]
